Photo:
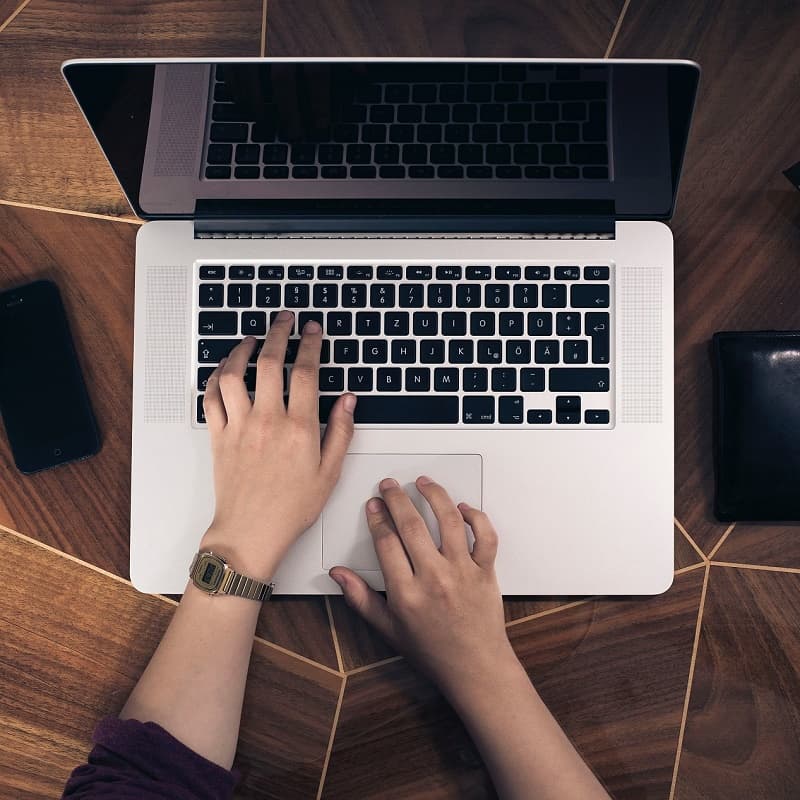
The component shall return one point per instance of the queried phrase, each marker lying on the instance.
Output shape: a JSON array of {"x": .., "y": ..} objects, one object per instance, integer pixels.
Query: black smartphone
[{"x": 43, "y": 399}]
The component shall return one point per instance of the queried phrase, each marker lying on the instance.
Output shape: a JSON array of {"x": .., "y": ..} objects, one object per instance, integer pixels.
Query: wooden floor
[{"x": 690, "y": 695}]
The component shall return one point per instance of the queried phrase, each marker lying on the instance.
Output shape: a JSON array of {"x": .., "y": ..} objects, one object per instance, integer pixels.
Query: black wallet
[{"x": 757, "y": 425}]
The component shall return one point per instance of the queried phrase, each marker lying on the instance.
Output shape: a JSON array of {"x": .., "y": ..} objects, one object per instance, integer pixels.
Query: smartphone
[{"x": 43, "y": 399}]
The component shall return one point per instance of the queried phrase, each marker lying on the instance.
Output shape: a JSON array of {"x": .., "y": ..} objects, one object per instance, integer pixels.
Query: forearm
[
  {"x": 524, "y": 748},
  {"x": 194, "y": 684}
]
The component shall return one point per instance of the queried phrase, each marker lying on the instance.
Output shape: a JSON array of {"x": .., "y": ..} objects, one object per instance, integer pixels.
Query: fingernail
[
  {"x": 284, "y": 316},
  {"x": 349, "y": 403},
  {"x": 374, "y": 504},
  {"x": 466, "y": 506},
  {"x": 338, "y": 578},
  {"x": 222, "y": 363},
  {"x": 312, "y": 326},
  {"x": 388, "y": 482},
  {"x": 423, "y": 479}
]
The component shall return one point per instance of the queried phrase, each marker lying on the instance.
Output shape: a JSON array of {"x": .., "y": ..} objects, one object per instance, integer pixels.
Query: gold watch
[{"x": 211, "y": 573}]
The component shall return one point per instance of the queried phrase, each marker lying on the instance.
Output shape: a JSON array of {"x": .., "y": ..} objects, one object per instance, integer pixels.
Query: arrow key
[{"x": 587, "y": 295}]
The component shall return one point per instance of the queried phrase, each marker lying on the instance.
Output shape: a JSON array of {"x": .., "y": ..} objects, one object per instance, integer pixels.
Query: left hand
[{"x": 272, "y": 474}]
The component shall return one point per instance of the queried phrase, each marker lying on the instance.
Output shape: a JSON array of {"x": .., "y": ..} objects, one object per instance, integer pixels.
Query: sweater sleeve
[{"x": 134, "y": 760}]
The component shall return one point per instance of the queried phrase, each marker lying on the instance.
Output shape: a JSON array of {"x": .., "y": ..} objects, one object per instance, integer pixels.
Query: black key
[
  {"x": 458, "y": 134},
  {"x": 478, "y": 273},
  {"x": 247, "y": 172},
  {"x": 354, "y": 295},
  {"x": 531, "y": 380},
  {"x": 201, "y": 414},
  {"x": 540, "y": 416},
  {"x": 512, "y": 323},
  {"x": 498, "y": 154},
  {"x": 268, "y": 295},
  {"x": 217, "y": 323},
  {"x": 597, "y": 327},
  {"x": 228, "y": 132},
  {"x": 268, "y": 272},
  {"x": 357, "y": 272},
  {"x": 460, "y": 351},
  {"x": 275, "y": 154},
  {"x": 590, "y": 295},
  {"x": 519, "y": 112},
  {"x": 212, "y": 351},
  {"x": 451, "y": 92},
  {"x": 497, "y": 295},
  {"x": 304, "y": 172},
  {"x": 254, "y": 323},
  {"x": 533, "y": 91},
  {"x": 419, "y": 273},
  {"x": 340, "y": 323},
  {"x": 386, "y": 154},
  {"x": 326, "y": 295},
  {"x": 595, "y": 129},
  {"x": 588, "y": 154},
  {"x": 203, "y": 374},
  {"x": 568, "y": 403},
  {"x": 490, "y": 351},
  {"x": 240, "y": 295},
  {"x": 389, "y": 379},
  {"x": 475, "y": 379},
  {"x": 404, "y": 351},
  {"x": 390, "y": 273},
  {"x": 331, "y": 379},
  {"x": 345, "y": 351},
  {"x": 479, "y": 172},
  {"x": 415, "y": 154},
  {"x": 411, "y": 295},
  {"x": 554, "y": 154},
  {"x": 504, "y": 379},
  {"x": 421, "y": 172},
  {"x": 518, "y": 351},
  {"x": 576, "y": 351},
  {"x": 358, "y": 154},
  {"x": 537, "y": 273},
  {"x": 418, "y": 379},
  {"x": 212, "y": 295},
  {"x": 540, "y": 323},
  {"x": 448, "y": 273},
  {"x": 406, "y": 114},
  {"x": 481, "y": 323},
  {"x": 431, "y": 351},
  {"x": 209, "y": 272},
  {"x": 574, "y": 112},
  {"x": 329, "y": 272},
  {"x": 373, "y": 133},
  {"x": 374, "y": 351},
  {"x": 248, "y": 153},
  {"x": 359, "y": 379},
  {"x": 470, "y": 154},
  {"x": 546, "y": 112},
  {"x": 381, "y": 295},
  {"x": 442, "y": 154},
  {"x": 567, "y": 273},
  {"x": 450, "y": 172},
  {"x": 554, "y": 295},
  {"x": 396, "y": 324},
  {"x": 241, "y": 272},
  {"x": 368, "y": 323},
  {"x": 325, "y": 352},
  {"x": 430, "y": 134},
  {"x": 334, "y": 172},
  {"x": 445, "y": 379},
  {"x": 507, "y": 273},
  {"x": 568, "y": 323},
  {"x": 566, "y": 172},
  {"x": 440, "y": 295},
  {"x": 484, "y": 133},
  {"x": 329, "y": 153},
  {"x": 468, "y": 296},
  {"x": 507, "y": 171},
  {"x": 596, "y": 173},
  {"x": 381, "y": 113},
  {"x": 301, "y": 273},
  {"x": 579, "y": 90},
  {"x": 296, "y": 295},
  {"x": 512, "y": 132},
  {"x": 292, "y": 347},
  {"x": 592, "y": 273},
  {"x": 579, "y": 379},
  {"x": 220, "y": 153},
  {"x": 454, "y": 323},
  {"x": 263, "y": 132},
  {"x": 396, "y": 93},
  {"x": 406, "y": 409},
  {"x": 546, "y": 351},
  {"x": 540, "y": 132},
  {"x": 426, "y": 323},
  {"x": 568, "y": 417},
  {"x": 273, "y": 315},
  {"x": 492, "y": 112},
  {"x": 437, "y": 112},
  {"x": 307, "y": 316},
  {"x": 510, "y": 410},
  {"x": 478, "y": 410},
  {"x": 526, "y": 295},
  {"x": 275, "y": 172},
  {"x": 567, "y": 132},
  {"x": 424, "y": 93},
  {"x": 596, "y": 417}
]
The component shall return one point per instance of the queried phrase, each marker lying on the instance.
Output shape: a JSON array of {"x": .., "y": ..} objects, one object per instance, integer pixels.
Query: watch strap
[{"x": 234, "y": 583}]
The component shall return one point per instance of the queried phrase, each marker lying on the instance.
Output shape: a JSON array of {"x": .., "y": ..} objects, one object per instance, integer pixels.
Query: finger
[
  {"x": 338, "y": 435},
  {"x": 304, "y": 381},
  {"x": 231, "y": 380},
  {"x": 364, "y": 600},
  {"x": 213, "y": 407},
  {"x": 484, "y": 551},
  {"x": 451, "y": 524},
  {"x": 392, "y": 556},
  {"x": 269, "y": 367},
  {"x": 411, "y": 528}
]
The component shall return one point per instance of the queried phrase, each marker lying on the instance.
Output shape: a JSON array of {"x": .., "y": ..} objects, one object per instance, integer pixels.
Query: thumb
[
  {"x": 364, "y": 600},
  {"x": 338, "y": 435}
]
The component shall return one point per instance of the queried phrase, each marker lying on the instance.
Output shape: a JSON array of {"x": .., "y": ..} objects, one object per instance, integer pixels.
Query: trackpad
[{"x": 346, "y": 539}]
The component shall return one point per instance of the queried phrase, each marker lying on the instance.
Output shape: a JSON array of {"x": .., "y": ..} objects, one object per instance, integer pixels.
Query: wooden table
[{"x": 692, "y": 694}]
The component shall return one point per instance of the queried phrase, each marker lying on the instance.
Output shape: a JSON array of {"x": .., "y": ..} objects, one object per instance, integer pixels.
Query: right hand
[{"x": 443, "y": 607}]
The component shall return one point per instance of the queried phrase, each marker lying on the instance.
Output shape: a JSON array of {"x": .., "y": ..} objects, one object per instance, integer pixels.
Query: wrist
[{"x": 260, "y": 564}]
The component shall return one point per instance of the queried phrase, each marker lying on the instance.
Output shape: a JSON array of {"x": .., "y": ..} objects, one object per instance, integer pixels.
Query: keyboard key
[
  {"x": 470, "y": 154},
  {"x": 554, "y": 154},
  {"x": 460, "y": 351},
  {"x": 381, "y": 295},
  {"x": 301, "y": 273},
  {"x": 595, "y": 129},
  {"x": 340, "y": 323},
  {"x": 448, "y": 273},
  {"x": 209, "y": 272},
  {"x": 250, "y": 173},
  {"x": 212, "y": 295},
  {"x": 497, "y": 295},
  {"x": 275, "y": 172},
  {"x": 566, "y": 172},
  {"x": 390, "y": 273},
  {"x": 526, "y": 295},
  {"x": 389, "y": 379},
  {"x": 375, "y": 351},
  {"x": 357, "y": 272},
  {"x": 275, "y": 154},
  {"x": 240, "y": 295},
  {"x": 217, "y": 323},
  {"x": 504, "y": 379},
  {"x": 358, "y": 154},
  {"x": 454, "y": 323},
  {"x": 418, "y": 379},
  {"x": 596, "y": 173},
  {"x": 540, "y": 323},
  {"x": 307, "y": 316},
  {"x": 426, "y": 323},
  {"x": 479, "y": 172},
  {"x": 420, "y": 273},
  {"x": 359, "y": 379},
  {"x": 331, "y": 379},
  {"x": 368, "y": 323},
  {"x": 590, "y": 273},
  {"x": 203, "y": 374},
  {"x": 201, "y": 414},
  {"x": 440, "y": 295},
  {"x": 568, "y": 417},
  {"x": 386, "y": 154},
  {"x": 576, "y": 351},
  {"x": 598, "y": 328},
  {"x": 590, "y": 295},
  {"x": 404, "y": 351},
  {"x": 579, "y": 379},
  {"x": 481, "y": 323},
  {"x": 468, "y": 296},
  {"x": 547, "y": 351},
  {"x": 431, "y": 351},
  {"x": 354, "y": 295},
  {"x": 445, "y": 379},
  {"x": 568, "y": 403},
  {"x": 345, "y": 351},
  {"x": 411, "y": 295},
  {"x": 212, "y": 351},
  {"x": 588, "y": 153},
  {"x": 518, "y": 351},
  {"x": 429, "y": 134},
  {"x": 540, "y": 416},
  {"x": 475, "y": 379},
  {"x": 507, "y": 273},
  {"x": 531, "y": 380},
  {"x": 554, "y": 295},
  {"x": 248, "y": 153},
  {"x": 267, "y": 272},
  {"x": 292, "y": 347},
  {"x": 268, "y": 295},
  {"x": 568, "y": 132},
  {"x": 537, "y": 273},
  {"x": 254, "y": 323},
  {"x": 442, "y": 154},
  {"x": 478, "y": 273},
  {"x": 326, "y": 295},
  {"x": 568, "y": 323},
  {"x": 363, "y": 172},
  {"x": 478, "y": 410},
  {"x": 296, "y": 295},
  {"x": 228, "y": 132},
  {"x": 241, "y": 272},
  {"x": 327, "y": 153},
  {"x": 510, "y": 410},
  {"x": 567, "y": 273},
  {"x": 432, "y": 409},
  {"x": 219, "y": 153},
  {"x": 373, "y": 133},
  {"x": 512, "y": 323},
  {"x": 596, "y": 417},
  {"x": 396, "y": 323},
  {"x": 490, "y": 351},
  {"x": 330, "y": 272}
]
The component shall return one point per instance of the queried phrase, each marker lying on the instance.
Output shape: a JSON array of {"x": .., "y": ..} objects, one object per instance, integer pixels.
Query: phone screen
[{"x": 43, "y": 398}]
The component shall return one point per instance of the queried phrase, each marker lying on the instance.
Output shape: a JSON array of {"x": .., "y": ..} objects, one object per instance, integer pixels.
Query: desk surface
[{"x": 691, "y": 694}]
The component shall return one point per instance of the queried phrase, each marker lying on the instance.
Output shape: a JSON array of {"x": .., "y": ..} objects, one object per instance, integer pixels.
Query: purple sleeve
[{"x": 134, "y": 760}]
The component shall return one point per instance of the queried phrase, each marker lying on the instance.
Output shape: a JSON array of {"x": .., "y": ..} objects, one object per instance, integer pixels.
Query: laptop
[{"x": 484, "y": 243}]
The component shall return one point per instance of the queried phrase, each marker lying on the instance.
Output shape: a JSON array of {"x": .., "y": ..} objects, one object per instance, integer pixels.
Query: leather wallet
[{"x": 757, "y": 425}]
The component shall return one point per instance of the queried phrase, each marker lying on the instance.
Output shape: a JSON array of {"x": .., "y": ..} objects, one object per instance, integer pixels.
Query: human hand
[
  {"x": 443, "y": 607},
  {"x": 272, "y": 475}
]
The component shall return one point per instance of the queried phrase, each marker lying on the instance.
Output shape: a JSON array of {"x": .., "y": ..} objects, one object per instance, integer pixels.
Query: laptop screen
[{"x": 194, "y": 138}]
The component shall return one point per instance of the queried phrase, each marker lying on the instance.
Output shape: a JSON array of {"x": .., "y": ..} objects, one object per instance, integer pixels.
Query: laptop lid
[{"x": 414, "y": 144}]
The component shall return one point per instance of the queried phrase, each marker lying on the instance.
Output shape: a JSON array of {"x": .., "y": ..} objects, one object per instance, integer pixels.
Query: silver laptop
[{"x": 484, "y": 244}]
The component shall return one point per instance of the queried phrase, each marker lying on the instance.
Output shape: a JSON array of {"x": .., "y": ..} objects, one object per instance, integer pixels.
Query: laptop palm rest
[{"x": 346, "y": 540}]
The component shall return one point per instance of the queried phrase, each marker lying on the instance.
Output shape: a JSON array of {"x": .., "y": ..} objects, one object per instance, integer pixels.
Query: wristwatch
[{"x": 210, "y": 573}]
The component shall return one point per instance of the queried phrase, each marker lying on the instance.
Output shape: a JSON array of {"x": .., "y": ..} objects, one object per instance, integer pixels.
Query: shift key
[{"x": 579, "y": 379}]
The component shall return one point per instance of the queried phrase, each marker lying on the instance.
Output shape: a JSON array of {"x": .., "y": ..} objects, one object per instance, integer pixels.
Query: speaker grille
[
  {"x": 179, "y": 136},
  {"x": 166, "y": 345},
  {"x": 641, "y": 309}
]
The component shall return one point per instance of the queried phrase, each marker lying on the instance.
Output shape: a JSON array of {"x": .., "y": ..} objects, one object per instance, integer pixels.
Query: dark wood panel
[
  {"x": 7, "y": 8},
  {"x": 74, "y": 643},
  {"x": 737, "y": 227},
  {"x": 47, "y": 154},
  {"x": 613, "y": 672},
  {"x": 742, "y": 735},
  {"x": 777, "y": 545},
  {"x": 685, "y": 554},
  {"x": 422, "y": 28}
]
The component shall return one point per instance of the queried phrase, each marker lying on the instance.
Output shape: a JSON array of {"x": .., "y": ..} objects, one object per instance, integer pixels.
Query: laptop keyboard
[
  {"x": 497, "y": 345},
  {"x": 482, "y": 121}
]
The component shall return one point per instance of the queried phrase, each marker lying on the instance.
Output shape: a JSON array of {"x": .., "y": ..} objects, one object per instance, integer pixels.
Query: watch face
[{"x": 208, "y": 572}]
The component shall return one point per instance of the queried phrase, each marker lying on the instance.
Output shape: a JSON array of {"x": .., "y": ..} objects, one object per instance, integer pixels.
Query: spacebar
[{"x": 398, "y": 409}]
